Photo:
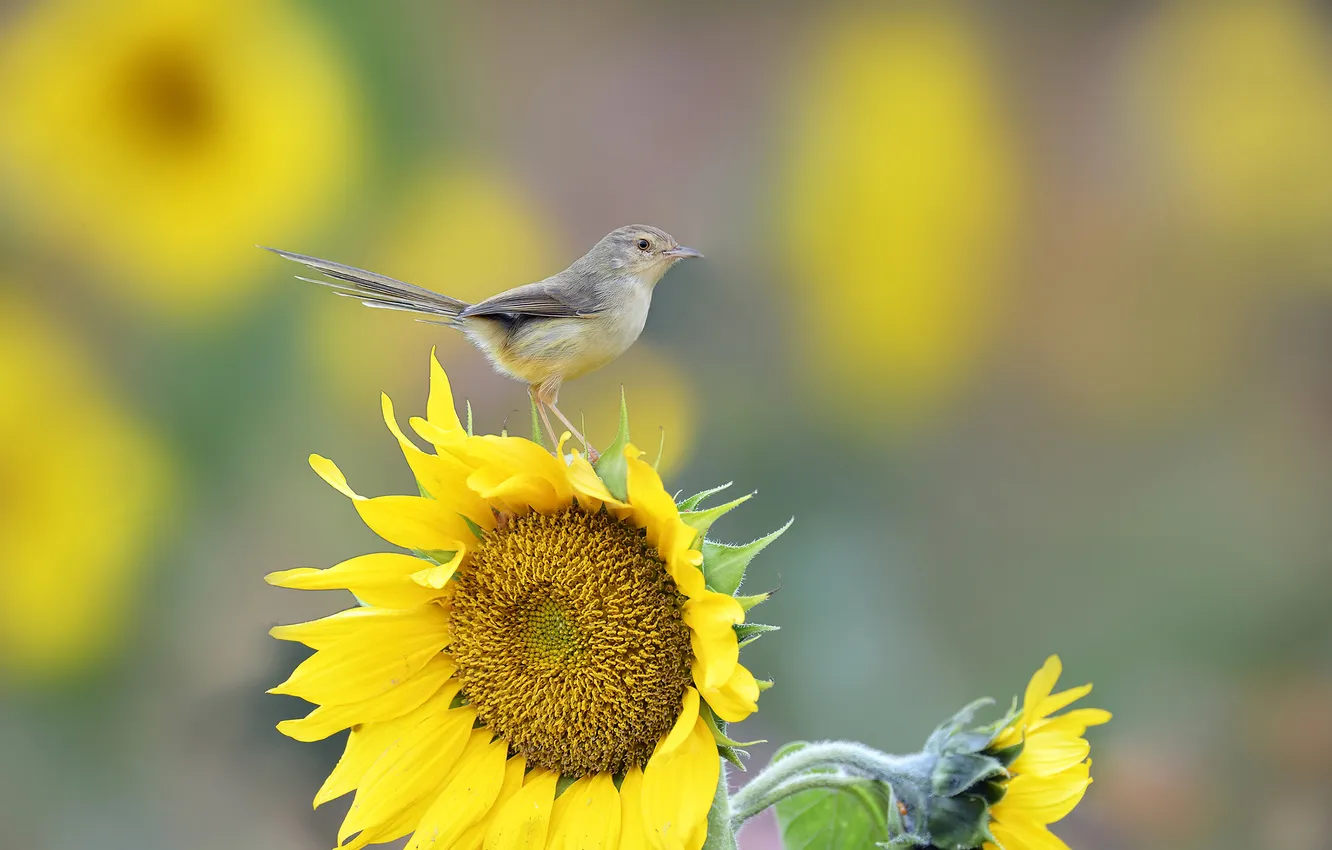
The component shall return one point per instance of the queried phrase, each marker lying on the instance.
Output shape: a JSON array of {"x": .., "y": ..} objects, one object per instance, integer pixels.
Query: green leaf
[
  {"x": 702, "y": 520},
  {"x": 829, "y": 819},
  {"x": 697, "y": 499},
  {"x": 537, "y": 436},
  {"x": 724, "y": 565},
  {"x": 612, "y": 468}
]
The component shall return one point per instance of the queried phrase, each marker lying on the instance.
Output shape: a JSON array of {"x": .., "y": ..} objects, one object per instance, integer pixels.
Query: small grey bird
[{"x": 542, "y": 333}]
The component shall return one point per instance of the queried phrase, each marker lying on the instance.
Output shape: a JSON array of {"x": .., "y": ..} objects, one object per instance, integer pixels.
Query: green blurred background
[{"x": 1025, "y": 312}]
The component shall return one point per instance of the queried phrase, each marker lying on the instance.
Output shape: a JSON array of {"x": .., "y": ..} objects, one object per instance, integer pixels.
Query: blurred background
[{"x": 1025, "y": 313}]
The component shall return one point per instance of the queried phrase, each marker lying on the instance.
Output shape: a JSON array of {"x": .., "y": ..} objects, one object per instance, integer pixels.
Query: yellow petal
[
  {"x": 653, "y": 508},
  {"x": 475, "y": 835},
  {"x": 710, "y": 617},
  {"x": 588, "y": 486},
  {"x": 1046, "y": 753},
  {"x": 326, "y": 720},
  {"x": 414, "y": 522},
  {"x": 737, "y": 699},
  {"x": 467, "y": 796},
  {"x": 684, "y": 724},
  {"x": 328, "y": 470},
  {"x": 1046, "y": 799},
  {"x": 367, "y": 742},
  {"x": 678, "y": 787},
  {"x": 387, "y": 650},
  {"x": 1039, "y": 688},
  {"x": 633, "y": 834},
  {"x": 411, "y": 767},
  {"x": 381, "y": 579},
  {"x": 523, "y": 822},
  {"x": 443, "y": 476},
  {"x": 517, "y": 493},
  {"x": 684, "y": 566},
  {"x": 586, "y": 816},
  {"x": 1055, "y": 702},
  {"x": 439, "y": 406},
  {"x": 1026, "y": 836},
  {"x": 326, "y": 631},
  {"x": 436, "y": 576}
]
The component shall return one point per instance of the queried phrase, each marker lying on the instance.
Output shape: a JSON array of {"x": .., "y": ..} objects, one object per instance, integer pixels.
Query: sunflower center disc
[{"x": 569, "y": 641}]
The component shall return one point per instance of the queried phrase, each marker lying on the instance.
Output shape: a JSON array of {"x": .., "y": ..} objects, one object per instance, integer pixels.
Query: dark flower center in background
[
  {"x": 569, "y": 641},
  {"x": 169, "y": 97}
]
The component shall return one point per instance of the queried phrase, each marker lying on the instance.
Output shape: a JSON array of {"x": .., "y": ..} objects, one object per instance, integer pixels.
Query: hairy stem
[
  {"x": 721, "y": 835},
  {"x": 851, "y": 760},
  {"x": 745, "y": 806}
]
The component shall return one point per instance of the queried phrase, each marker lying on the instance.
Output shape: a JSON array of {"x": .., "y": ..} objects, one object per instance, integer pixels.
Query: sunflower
[
  {"x": 550, "y": 667},
  {"x": 162, "y": 136},
  {"x": 1052, "y": 769}
]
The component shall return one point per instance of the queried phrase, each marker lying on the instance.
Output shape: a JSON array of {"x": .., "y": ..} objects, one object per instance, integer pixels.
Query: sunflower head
[
  {"x": 551, "y": 663},
  {"x": 999, "y": 786}
]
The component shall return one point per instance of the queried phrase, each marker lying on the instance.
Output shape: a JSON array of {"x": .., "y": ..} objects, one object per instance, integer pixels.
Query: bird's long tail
[{"x": 376, "y": 290}]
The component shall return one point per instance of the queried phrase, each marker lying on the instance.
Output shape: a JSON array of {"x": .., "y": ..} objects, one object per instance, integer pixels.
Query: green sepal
[
  {"x": 1008, "y": 755},
  {"x": 438, "y": 557},
  {"x": 764, "y": 684},
  {"x": 940, "y": 740},
  {"x": 469, "y": 419},
  {"x": 957, "y": 823},
  {"x": 991, "y": 789},
  {"x": 697, "y": 499},
  {"x": 477, "y": 531},
  {"x": 957, "y": 772},
  {"x": 612, "y": 468},
  {"x": 537, "y": 437},
  {"x": 425, "y": 494},
  {"x": 724, "y": 565},
  {"x": 747, "y": 633},
  {"x": 562, "y": 784},
  {"x": 750, "y": 602},
  {"x": 702, "y": 520},
  {"x": 735, "y": 756},
  {"x": 720, "y": 736}
]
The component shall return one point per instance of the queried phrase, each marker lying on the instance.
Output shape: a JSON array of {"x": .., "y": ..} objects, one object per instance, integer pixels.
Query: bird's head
[{"x": 639, "y": 250}]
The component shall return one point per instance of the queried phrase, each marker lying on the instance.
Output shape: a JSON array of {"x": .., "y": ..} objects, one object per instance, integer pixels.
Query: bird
[{"x": 542, "y": 333}]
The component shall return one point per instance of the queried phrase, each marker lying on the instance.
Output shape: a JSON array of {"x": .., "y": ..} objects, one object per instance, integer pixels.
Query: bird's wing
[
  {"x": 376, "y": 290},
  {"x": 542, "y": 299}
]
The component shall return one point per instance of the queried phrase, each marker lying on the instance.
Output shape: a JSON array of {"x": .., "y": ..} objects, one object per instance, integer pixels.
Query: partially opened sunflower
[{"x": 548, "y": 666}]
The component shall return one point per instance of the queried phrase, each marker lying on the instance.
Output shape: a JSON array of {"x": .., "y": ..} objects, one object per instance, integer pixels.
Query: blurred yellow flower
[
  {"x": 166, "y": 137},
  {"x": 465, "y": 231},
  {"x": 83, "y": 491},
  {"x": 1050, "y": 775},
  {"x": 897, "y": 207},
  {"x": 1239, "y": 98}
]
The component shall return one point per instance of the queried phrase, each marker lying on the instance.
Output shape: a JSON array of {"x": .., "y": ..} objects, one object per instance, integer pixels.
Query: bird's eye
[{"x": 644, "y": 245}]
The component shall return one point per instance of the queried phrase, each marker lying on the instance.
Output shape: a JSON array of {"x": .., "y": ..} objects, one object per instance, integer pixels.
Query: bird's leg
[
  {"x": 592, "y": 454},
  {"x": 545, "y": 417}
]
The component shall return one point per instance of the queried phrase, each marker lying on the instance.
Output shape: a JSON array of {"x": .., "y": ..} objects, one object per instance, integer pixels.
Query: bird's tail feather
[{"x": 376, "y": 290}]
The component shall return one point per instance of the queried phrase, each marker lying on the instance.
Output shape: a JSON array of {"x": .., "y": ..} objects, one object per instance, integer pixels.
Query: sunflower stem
[
  {"x": 744, "y": 807},
  {"x": 721, "y": 834},
  {"x": 850, "y": 761}
]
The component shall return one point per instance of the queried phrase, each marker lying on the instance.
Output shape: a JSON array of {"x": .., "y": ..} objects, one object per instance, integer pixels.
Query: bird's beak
[{"x": 680, "y": 252}]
